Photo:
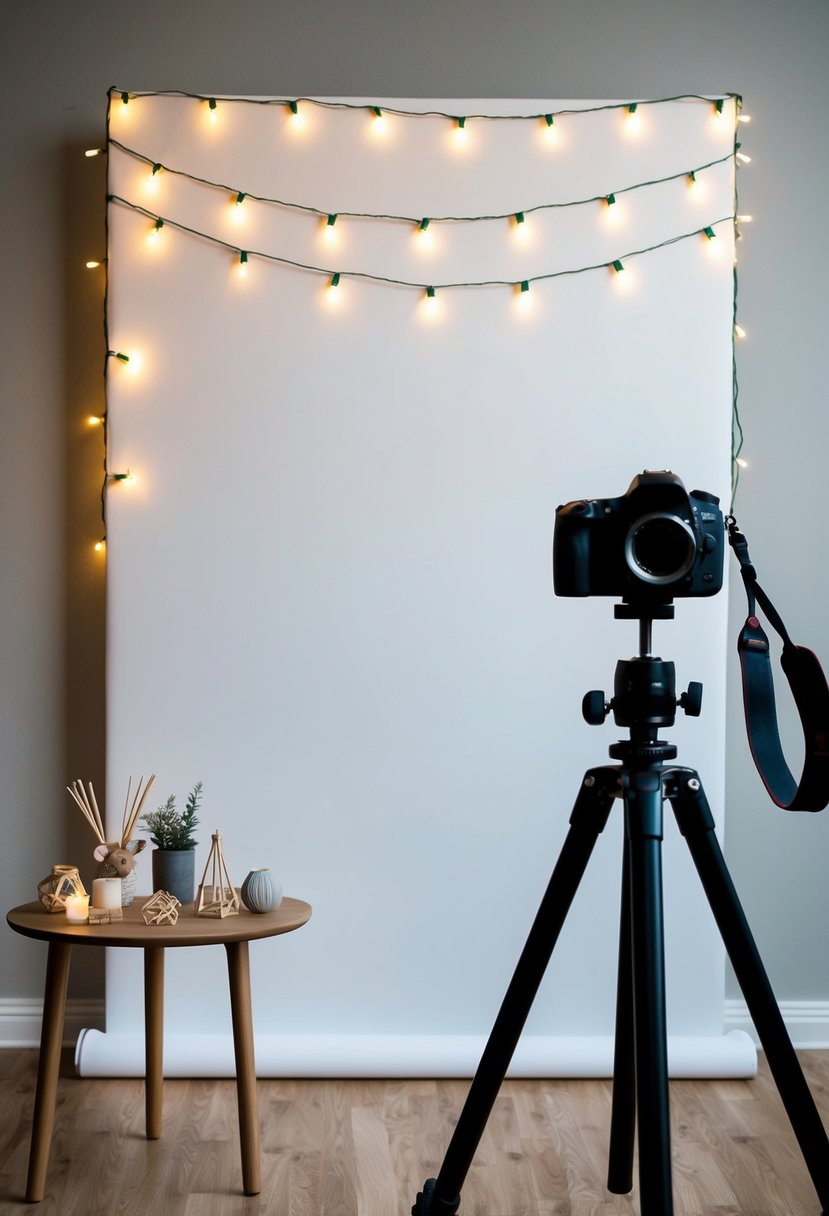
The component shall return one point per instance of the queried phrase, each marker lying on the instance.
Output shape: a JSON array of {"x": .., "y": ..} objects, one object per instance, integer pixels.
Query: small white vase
[{"x": 260, "y": 891}]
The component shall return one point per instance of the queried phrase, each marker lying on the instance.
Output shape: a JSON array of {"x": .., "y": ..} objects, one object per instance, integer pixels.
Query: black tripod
[{"x": 644, "y": 700}]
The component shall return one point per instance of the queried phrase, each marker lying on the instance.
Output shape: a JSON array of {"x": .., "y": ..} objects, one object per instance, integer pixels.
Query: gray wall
[{"x": 57, "y": 63}]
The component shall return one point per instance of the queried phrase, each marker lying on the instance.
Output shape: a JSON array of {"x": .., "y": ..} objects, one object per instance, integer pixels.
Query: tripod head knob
[
  {"x": 691, "y": 701},
  {"x": 594, "y": 707}
]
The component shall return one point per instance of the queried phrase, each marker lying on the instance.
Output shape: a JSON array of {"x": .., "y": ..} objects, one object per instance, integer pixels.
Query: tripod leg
[
  {"x": 697, "y": 826},
  {"x": 623, "y": 1117},
  {"x": 590, "y": 814},
  {"x": 643, "y": 817}
]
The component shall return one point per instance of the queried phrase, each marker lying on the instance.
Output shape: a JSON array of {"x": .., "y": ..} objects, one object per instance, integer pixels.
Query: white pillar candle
[
  {"x": 106, "y": 892},
  {"x": 77, "y": 909}
]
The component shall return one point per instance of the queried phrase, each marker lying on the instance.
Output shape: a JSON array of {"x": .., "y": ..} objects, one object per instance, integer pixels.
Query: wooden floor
[{"x": 364, "y": 1148}]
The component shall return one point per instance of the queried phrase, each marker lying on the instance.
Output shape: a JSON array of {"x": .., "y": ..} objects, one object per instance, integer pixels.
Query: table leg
[
  {"x": 51, "y": 1037},
  {"x": 238, "y": 967},
  {"x": 153, "y": 1038}
]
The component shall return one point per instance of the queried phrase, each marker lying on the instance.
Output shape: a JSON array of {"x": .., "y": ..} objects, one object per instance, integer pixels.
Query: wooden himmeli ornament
[
  {"x": 218, "y": 897},
  {"x": 54, "y": 890},
  {"x": 161, "y": 909}
]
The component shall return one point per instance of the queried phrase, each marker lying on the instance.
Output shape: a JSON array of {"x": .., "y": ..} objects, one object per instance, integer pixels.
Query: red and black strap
[{"x": 809, "y": 689}]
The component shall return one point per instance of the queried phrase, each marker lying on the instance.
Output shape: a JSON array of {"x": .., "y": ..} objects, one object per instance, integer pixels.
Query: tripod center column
[{"x": 643, "y": 825}]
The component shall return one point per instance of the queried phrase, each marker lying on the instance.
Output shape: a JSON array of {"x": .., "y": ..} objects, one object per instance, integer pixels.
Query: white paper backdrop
[{"x": 329, "y": 586}]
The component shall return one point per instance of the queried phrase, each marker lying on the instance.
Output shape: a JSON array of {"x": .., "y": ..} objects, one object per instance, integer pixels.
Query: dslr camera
[{"x": 654, "y": 542}]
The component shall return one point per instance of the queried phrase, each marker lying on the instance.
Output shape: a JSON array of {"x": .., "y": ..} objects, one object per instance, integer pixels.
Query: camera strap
[{"x": 809, "y": 689}]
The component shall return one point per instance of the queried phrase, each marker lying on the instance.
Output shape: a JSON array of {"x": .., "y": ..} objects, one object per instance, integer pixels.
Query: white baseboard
[
  {"x": 806, "y": 1021},
  {"x": 331, "y": 1055},
  {"x": 20, "y": 1021}
]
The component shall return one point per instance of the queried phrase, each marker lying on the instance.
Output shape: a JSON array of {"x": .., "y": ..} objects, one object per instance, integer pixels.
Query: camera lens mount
[{"x": 660, "y": 548}]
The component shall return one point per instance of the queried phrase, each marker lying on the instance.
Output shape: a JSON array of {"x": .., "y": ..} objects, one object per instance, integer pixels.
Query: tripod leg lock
[
  {"x": 595, "y": 798},
  {"x": 684, "y": 791},
  {"x": 428, "y": 1203}
]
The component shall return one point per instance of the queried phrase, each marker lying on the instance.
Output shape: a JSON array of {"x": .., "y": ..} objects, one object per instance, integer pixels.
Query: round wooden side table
[{"x": 232, "y": 932}]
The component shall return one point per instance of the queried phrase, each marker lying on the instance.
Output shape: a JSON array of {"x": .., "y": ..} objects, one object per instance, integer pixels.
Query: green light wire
[
  {"x": 376, "y": 278},
  {"x": 716, "y": 100},
  {"x": 419, "y": 221},
  {"x": 737, "y": 435}
]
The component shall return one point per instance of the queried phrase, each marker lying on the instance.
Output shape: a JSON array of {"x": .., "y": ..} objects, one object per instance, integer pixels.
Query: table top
[{"x": 32, "y": 920}]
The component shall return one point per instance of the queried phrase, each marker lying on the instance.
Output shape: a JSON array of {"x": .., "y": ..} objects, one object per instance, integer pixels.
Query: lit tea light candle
[
  {"x": 77, "y": 909},
  {"x": 106, "y": 893}
]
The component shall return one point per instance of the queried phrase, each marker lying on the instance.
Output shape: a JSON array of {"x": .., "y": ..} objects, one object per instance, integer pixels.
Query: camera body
[{"x": 655, "y": 542}]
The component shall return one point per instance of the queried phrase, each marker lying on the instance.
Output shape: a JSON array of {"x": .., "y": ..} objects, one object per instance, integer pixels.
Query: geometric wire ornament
[
  {"x": 55, "y": 888},
  {"x": 161, "y": 909},
  {"x": 218, "y": 897}
]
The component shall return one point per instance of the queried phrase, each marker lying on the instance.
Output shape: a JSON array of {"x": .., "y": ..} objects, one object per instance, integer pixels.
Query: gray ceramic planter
[{"x": 174, "y": 870}]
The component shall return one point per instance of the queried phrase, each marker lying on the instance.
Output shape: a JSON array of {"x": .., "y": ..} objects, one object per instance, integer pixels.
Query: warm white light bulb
[
  {"x": 297, "y": 117},
  {"x": 633, "y": 124},
  {"x": 622, "y": 279},
  {"x": 333, "y": 294},
  {"x": 523, "y": 297},
  {"x": 379, "y": 124},
  {"x": 613, "y": 212},
  {"x": 520, "y": 228},
  {"x": 129, "y": 364},
  {"x": 549, "y": 130},
  {"x": 460, "y": 134},
  {"x": 430, "y": 306}
]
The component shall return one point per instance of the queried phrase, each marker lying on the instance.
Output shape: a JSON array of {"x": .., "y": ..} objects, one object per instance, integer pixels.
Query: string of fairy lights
[
  {"x": 295, "y": 110},
  {"x": 419, "y": 222},
  {"x": 296, "y": 105}
]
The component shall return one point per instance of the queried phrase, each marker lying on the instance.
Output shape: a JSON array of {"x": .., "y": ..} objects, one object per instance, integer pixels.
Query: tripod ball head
[{"x": 644, "y": 695}]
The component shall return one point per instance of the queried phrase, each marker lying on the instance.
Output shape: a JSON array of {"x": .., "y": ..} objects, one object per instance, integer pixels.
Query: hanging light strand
[
  {"x": 326, "y": 212},
  {"x": 376, "y": 110},
  {"x": 327, "y": 272},
  {"x": 737, "y": 434}
]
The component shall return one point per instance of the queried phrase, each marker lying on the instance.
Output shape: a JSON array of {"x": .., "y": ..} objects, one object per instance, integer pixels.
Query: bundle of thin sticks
[{"x": 89, "y": 808}]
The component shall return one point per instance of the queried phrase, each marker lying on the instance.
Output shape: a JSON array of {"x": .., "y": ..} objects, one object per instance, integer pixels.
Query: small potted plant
[{"x": 174, "y": 856}]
